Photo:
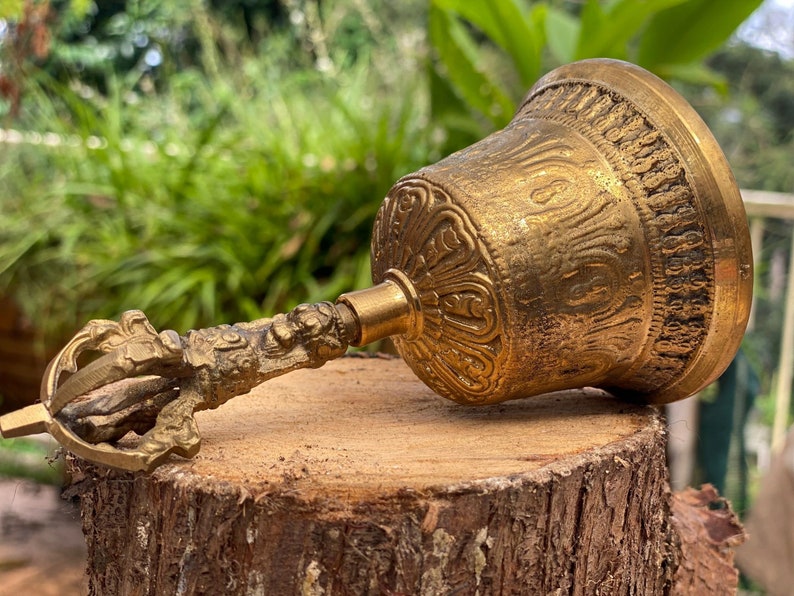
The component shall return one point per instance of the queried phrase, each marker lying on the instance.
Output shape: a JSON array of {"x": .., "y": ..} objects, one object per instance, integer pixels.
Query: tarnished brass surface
[
  {"x": 598, "y": 240},
  {"x": 151, "y": 384}
]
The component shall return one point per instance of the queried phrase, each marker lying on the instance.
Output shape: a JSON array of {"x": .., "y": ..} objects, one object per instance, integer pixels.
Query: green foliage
[
  {"x": 487, "y": 53},
  {"x": 689, "y": 32},
  {"x": 515, "y": 30},
  {"x": 241, "y": 174},
  {"x": 600, "y": 29},
  {"x": 11, "y": 9},
  {"x": 209, "y": 198},
  {"x": 464, "y": 74},
  {"x": 754, "y": 123}
]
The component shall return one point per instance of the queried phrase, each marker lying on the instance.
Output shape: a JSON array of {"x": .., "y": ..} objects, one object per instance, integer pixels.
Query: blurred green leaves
[
  {"x": 11, "y": 9},
  {"x": 465, "y": 80},
  {"x": 206, "y": 199},
  {"x": 689, "y": 31},
  {"x": 29, "y": 458},
  {"x": 607, "y": 28},
  {"x": 487, "y": 53}
]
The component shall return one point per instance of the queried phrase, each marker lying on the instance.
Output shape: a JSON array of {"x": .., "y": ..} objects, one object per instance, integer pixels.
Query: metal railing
[{"x": 760, "y": 206}]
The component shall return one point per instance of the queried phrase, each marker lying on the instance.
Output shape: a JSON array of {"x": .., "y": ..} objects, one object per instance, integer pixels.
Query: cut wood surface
[
  {"x": 357, "y": 479},
  {"x": 358, "y": 427}
]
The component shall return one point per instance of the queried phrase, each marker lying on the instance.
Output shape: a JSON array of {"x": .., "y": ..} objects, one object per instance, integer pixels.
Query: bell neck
[{"x": 391, "y": 307}]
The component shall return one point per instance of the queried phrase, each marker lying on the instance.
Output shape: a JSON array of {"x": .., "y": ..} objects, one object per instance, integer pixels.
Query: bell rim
[{"x": 720, "y": 203}]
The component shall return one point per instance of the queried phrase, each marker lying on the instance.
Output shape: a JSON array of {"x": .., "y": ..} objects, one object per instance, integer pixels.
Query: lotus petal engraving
[{"x": 421, "y": 232}]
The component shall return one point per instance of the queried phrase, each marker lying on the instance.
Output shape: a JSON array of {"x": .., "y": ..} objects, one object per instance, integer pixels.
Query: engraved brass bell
[{"x": 597, "y": 240}]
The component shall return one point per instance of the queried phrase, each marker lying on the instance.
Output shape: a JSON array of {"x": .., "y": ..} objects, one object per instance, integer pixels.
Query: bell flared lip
[{"x": 721, "y": 209}]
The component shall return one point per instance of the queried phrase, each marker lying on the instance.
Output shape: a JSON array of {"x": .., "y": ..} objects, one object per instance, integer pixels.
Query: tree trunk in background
[
  {"x": 356, "y": 479},
  {"x": 22, "y": 359}
]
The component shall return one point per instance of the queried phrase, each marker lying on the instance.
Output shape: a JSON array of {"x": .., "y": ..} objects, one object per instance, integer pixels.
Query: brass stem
[{"x": 389, "y": 308}]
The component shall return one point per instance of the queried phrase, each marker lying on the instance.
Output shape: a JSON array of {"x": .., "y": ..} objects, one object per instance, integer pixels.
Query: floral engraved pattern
[
  {"x": 679, "y": 246},
  {"x": 422, "y": 233}
]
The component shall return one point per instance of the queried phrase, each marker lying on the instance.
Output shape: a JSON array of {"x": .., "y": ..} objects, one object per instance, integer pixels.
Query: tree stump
[{"x": 357, "y": 479}]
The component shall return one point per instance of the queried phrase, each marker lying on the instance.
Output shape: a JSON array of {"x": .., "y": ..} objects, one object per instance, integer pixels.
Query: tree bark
[
  {"x": 356, "y": 479},
  {"x": 708, "y": 533}
]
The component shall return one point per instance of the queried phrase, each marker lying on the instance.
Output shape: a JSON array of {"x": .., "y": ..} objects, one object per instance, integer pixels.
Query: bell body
[{"x": 598, "y": 240}]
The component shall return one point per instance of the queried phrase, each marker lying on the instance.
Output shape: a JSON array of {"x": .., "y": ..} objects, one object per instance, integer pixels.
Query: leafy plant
[
  {"x": 488, "y": 52},
  {"x": 226, "y": 194}
]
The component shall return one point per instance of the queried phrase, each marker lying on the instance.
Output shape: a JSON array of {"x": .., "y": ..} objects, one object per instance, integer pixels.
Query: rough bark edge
[{"x": 708, "y": 531}]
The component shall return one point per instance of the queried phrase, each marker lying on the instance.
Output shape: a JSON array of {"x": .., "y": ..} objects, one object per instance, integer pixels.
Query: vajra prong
[{"x": 133, "y": 405}]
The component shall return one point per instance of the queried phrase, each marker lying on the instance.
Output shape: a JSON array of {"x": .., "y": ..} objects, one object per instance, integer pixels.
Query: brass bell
[{"x": 599, "y": 240}]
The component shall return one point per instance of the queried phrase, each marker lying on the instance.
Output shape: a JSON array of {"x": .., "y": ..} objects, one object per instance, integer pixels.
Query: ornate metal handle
[{"x": 152, "y": 383}]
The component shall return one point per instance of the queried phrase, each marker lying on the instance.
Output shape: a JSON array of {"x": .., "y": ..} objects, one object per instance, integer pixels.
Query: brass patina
[{"x": 598, "y": 240}]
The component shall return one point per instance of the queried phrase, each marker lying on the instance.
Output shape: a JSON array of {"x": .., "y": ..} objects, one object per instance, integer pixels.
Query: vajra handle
[{"x": 151, "y": 383}]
